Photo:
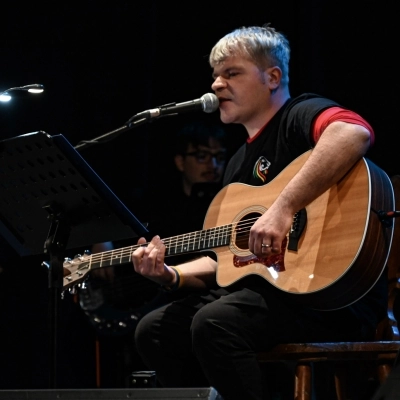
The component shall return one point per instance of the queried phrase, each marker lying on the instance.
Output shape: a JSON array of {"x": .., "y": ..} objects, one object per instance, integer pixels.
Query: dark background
[{"x": 103, "y": 62}]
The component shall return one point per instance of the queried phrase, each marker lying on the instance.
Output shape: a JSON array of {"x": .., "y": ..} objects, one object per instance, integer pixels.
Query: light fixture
[{"x": 34, "y": 88}]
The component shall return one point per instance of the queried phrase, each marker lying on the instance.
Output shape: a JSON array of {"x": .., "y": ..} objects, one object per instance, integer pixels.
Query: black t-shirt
[{"x": 286, "y": 137}]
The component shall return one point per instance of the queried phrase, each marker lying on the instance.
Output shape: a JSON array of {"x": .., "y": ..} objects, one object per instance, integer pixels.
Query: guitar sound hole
[{"x": 243, "y": 230}]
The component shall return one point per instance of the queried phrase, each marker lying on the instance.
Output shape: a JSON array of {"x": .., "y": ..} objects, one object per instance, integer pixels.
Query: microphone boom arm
[
  {"x": 109, "y": 135},
  {"x": 207, "y": 103}
]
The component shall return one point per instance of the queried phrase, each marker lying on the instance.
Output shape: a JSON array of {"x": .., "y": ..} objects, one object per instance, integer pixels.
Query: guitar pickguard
[{"x": 276, "y": 261}]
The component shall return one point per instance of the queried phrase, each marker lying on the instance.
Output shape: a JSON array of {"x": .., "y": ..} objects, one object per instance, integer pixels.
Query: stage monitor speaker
[{"x": 112, "y": 394}]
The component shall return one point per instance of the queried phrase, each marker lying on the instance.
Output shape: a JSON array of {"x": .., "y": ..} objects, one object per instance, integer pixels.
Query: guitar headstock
[{"x": 76, "y": 270}]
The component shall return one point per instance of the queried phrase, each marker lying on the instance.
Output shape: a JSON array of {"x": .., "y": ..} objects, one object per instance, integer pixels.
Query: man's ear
[
  {"x": 275, "y": 76},
  {"x": 179, "y": 162}
]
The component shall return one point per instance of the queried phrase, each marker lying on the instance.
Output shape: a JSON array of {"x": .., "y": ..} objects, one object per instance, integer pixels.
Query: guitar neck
[{"x": 181, "y": 244}]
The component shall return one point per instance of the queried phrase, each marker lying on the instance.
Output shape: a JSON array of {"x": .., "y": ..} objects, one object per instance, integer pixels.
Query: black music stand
[{"x": 51, "y": 200}]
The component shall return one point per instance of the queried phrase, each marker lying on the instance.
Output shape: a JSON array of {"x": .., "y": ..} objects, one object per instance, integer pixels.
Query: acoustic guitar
[{"x": 335, "y": 251}]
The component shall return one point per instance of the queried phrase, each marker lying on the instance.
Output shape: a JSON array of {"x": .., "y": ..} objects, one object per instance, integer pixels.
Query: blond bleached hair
[{"x": 262, "y": 45}]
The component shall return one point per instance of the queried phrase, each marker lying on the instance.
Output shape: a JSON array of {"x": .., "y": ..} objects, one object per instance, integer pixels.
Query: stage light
[{"x": 34, "y": 88}]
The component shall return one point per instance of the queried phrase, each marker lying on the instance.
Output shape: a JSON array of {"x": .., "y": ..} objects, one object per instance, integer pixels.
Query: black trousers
[{"x": 211, "y": 339}]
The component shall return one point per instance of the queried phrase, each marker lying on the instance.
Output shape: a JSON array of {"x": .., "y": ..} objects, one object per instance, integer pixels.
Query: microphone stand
[
  {"x": 207, "y": 102},
  {"x": 110, "y": 135}
]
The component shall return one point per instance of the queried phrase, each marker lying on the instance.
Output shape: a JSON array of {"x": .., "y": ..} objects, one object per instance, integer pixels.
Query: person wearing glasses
[
  {"x": 200, "y": 154},
  {"x": 199, "y": 158},
  {"x": 211, "y": 336}
]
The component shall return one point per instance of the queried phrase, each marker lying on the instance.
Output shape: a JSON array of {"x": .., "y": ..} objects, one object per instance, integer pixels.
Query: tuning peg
[
  {"x": 87, "y": 252},
  {"x": 77, "y": 256}
]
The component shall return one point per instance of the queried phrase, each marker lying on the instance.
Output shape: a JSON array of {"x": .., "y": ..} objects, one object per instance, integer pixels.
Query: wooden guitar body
[
  {"x": 342, "y": 250},
  {"x": 334, "y": 253}
]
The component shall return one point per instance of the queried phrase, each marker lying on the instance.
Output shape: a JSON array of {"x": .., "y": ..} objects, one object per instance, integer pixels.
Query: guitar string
[
  {"x": 174, "y": 246},
  {"x": 125, "y": 289},
  {"x": 132, "y": 281},
  {"x": 181, "y": 241}
]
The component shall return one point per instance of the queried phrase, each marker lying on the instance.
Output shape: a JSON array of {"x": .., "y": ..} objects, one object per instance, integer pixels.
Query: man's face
[
  {"x": 202, "y": 163},
  {"x": 242, "y": 89}
]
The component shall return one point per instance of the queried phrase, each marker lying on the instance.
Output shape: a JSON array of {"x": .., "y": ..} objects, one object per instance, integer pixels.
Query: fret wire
[
  {"x": 198, "y": 240},
  {"x": 190, "y": 242},
  {"x": 219, "y": 236}
]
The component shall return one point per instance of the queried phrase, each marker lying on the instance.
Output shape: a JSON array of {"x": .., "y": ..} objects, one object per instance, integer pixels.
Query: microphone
[{"x": 207, "y": 103}]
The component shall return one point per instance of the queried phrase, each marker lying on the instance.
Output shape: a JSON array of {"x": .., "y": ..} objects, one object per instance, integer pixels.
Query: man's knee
[
  {"x": 143, "y": 328},
  {"x": 207, "y": 322}
]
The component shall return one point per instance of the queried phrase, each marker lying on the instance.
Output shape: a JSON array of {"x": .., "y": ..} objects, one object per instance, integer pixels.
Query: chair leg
[
  {"x": 384, "y": 370},
  {"x": 303, "y": 384},
  {"x": 341, "y": 381}
]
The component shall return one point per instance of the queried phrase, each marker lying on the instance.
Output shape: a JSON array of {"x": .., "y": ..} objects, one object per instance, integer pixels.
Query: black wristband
[{"x": 175, "y": 286}]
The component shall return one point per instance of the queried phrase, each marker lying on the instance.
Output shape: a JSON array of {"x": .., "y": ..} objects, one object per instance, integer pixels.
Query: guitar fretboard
[
  {"x": 200, "y": 240},
  {"x": 189, "y": 242}
]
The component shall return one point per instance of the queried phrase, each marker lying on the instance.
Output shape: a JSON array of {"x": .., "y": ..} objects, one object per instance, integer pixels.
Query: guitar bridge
[{"x": 299, "y": 223}]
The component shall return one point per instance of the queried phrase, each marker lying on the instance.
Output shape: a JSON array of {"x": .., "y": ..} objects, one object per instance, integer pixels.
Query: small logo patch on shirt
[{"x": 260, "y": 169}]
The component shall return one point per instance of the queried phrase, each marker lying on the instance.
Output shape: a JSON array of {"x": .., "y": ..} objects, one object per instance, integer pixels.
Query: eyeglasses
[{"x": 204, "y": 156}]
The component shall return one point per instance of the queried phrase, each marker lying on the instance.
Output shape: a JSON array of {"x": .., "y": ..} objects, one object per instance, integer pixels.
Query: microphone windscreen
[{"x": 210, "y": 102}]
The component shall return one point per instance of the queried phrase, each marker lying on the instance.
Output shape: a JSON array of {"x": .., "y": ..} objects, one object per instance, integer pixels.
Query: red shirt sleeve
[{"x": 338, "y": 114}]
